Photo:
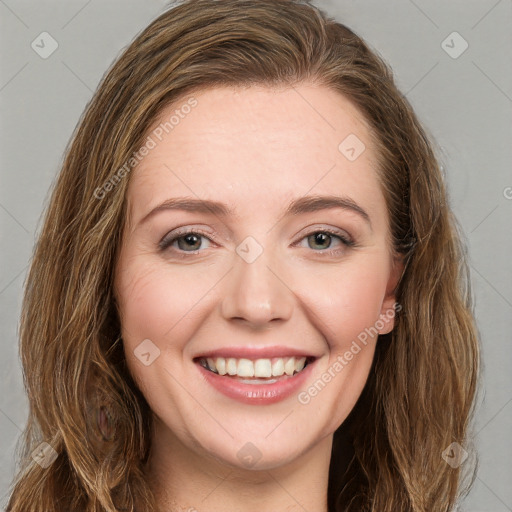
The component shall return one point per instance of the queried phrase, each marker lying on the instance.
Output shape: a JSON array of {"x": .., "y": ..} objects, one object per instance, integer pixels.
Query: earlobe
[{"x": 386, "y": 320}]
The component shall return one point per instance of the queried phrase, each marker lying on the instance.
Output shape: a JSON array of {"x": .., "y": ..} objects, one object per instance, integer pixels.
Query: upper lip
[{"x": 245, "y": 352}]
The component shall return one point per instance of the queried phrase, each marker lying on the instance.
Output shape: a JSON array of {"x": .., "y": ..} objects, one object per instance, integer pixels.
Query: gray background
[{"x": 465, "y": 102}]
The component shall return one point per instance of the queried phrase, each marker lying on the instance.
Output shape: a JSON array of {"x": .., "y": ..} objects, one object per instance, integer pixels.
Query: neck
[{"x": 185, "y": 480}]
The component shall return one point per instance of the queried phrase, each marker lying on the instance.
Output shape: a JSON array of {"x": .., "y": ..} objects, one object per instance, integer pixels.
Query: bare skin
[{"x": 255, "y": 150}]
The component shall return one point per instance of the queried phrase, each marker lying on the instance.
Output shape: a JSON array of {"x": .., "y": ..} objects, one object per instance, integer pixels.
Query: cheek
[
  {"x": 156, "y": 302},
  {"x": 345, "y": 301},
  {"x": 160, "y": 305},
  {"x": 346, "y": 311}
]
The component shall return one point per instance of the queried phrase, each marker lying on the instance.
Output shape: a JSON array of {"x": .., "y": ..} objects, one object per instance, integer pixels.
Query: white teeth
[
  {"x": 278, "y": 368},
  {"x": 221, "y": 365},
  {"x": 231, "y": 366},
  {"x": 260, "y": 368},
  {"x": 263, "y": 368},
  {"x": 245, "y": 368},
  {"x": 299, "y": 364},
  {"x": 289, "y": 366},
  {"x": 211, "y": 364}
]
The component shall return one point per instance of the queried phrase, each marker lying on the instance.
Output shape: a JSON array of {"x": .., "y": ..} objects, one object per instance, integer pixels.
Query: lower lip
[{"x": 257, "y": 394}]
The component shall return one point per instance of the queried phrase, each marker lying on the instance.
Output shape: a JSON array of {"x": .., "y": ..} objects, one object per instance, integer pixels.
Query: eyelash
[{"x": 165, "y": 243}]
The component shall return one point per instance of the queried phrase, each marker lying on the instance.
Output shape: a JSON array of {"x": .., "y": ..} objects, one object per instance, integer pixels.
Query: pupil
[
  {"x": 320, "y": 238},
  {"x": 189, "y": 240}
]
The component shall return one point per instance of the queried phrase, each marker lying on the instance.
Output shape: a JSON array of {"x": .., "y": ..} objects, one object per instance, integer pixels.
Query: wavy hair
[{"x": 421, "y": 390}]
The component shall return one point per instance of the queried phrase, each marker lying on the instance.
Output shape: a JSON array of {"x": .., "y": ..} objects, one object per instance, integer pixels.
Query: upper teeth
[{"x": 274, "y": 367}]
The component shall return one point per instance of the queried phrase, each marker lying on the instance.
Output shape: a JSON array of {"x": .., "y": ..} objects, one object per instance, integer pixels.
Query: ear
[{"x": 389, "y": 306}]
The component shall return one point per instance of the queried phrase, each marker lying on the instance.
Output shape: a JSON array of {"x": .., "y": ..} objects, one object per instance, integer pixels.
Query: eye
[
  {"x": 189, "y": 241},
  {"x": 322, "y": 239}
]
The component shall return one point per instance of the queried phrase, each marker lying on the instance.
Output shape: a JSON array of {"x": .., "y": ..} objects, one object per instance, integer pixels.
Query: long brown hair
[{"x": 420, "y": 394}]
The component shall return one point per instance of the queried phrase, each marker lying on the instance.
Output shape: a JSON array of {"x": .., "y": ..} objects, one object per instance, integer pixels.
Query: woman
[{"x": 186, "y": 343}]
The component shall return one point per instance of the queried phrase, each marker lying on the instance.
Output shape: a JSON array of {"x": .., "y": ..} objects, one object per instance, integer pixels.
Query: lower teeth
[{"x": 257, "y": 381}]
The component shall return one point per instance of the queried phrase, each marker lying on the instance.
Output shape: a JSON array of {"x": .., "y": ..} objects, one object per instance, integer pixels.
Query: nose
[{"x": 256, "y": 294}]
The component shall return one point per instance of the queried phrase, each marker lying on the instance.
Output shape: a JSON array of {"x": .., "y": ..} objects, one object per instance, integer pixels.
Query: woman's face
[{"x": 266, "y": 272}]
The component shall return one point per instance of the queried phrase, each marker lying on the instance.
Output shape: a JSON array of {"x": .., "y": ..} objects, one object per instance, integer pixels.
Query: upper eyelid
[
  {"x": 335, "y": 232},
  {"x": 187, "y": 231},
  {"x": 305, "y": 231}
]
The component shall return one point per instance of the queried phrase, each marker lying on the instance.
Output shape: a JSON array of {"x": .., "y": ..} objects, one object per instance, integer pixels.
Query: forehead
[{"x": 256, "y": 146}]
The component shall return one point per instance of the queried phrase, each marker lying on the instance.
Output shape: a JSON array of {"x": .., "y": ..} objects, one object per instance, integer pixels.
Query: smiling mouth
[{"x": 254, "y": 371}]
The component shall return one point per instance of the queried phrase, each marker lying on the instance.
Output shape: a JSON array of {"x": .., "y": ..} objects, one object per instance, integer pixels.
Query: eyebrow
[{"x": 298, "y": 206}]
